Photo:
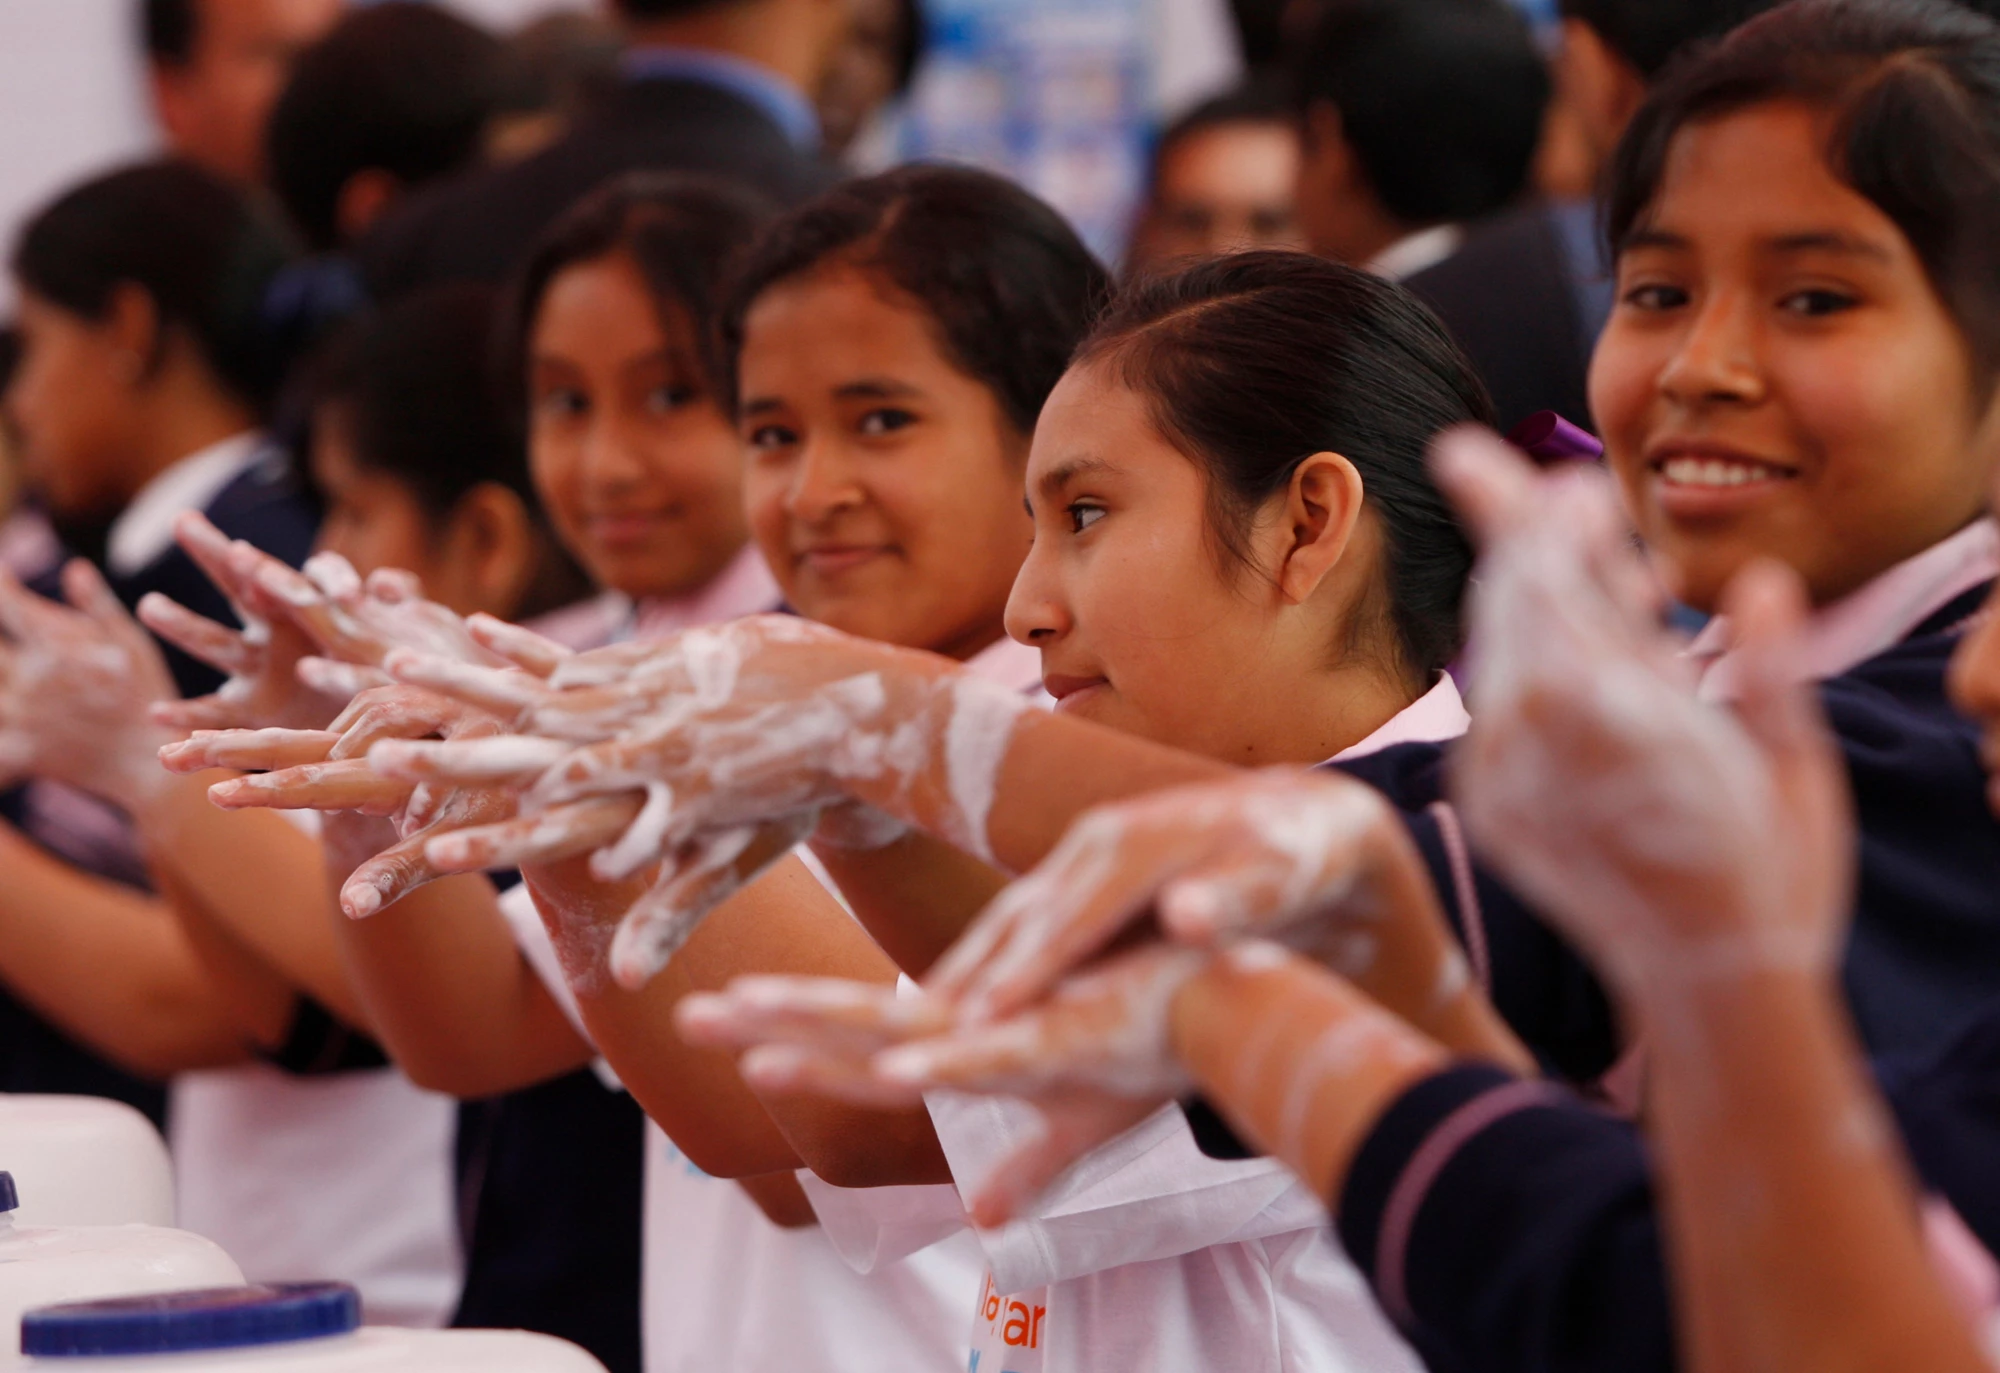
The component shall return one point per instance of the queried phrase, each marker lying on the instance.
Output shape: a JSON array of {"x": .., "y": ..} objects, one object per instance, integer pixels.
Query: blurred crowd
[{"x": 543, "y": 749}]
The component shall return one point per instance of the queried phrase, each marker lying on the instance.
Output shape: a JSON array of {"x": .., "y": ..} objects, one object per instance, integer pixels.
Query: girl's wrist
[{"x": 1299, "y": 1061}]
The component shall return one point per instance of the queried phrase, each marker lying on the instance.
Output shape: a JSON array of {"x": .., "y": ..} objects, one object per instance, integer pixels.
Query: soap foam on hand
[{"x": 735, "y": 739}]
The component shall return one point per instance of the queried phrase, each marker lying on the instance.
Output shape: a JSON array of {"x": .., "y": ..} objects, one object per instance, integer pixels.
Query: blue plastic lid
[
  {"x": 10, "y": 1200},
  {"x": 186, "y": 1322}
]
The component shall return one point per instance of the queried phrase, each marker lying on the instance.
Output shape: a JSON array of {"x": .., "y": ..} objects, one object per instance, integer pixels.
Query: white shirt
[
  {"x": 346, "y": 1176},
  {"x": 1147, "y": 1254},
  {"x": 145, "y": 528},
  {"x": 1412, "y": 253},
  {"x": 722, "y": 1287}
]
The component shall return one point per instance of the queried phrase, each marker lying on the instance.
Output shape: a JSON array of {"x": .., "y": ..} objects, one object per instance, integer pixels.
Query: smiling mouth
[
  {"x": 835, "y": 559},
  {"x": 1713, "y": 473}
]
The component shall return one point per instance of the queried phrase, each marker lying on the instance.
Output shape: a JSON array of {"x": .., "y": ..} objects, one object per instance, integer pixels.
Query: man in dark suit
[
  {"x": 717, "y": 86},
  {"x": 1528, "y": 291}
]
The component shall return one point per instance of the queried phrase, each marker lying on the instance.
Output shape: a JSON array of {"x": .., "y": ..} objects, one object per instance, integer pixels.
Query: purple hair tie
[{"x": 1547, "y": 437}]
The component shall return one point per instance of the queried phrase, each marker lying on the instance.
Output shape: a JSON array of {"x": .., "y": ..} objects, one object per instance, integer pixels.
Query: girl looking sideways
[{"x": 1342, "y": 597}]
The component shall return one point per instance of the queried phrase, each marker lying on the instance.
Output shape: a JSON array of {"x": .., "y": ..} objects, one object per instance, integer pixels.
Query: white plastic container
[
  {"x": 44, "y": 1265},
  {"x": 82, "y": 1160},
  {"x": 281, "y": 1328}
]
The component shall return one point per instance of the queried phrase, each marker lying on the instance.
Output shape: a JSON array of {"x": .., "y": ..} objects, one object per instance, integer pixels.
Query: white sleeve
[
  {"x": 1149, "y": 1194},
  {"x": 872, "y": 1227},
  {"x": 517, "y": 904}
]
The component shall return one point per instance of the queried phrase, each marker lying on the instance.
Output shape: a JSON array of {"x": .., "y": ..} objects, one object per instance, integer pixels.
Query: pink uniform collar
[
  {"x": 1873, "y": 619},
  {"x": 1433, "y": 718}
]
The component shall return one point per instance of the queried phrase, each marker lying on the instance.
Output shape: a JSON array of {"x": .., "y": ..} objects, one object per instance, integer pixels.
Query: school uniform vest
[{"x": 1923, "y": 953}]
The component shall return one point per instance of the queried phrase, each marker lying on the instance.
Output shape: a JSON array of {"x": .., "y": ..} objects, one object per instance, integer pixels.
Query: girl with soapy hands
[
  {"x": 1704, "y": 859},
  {"x": 1171, "y": 558}
]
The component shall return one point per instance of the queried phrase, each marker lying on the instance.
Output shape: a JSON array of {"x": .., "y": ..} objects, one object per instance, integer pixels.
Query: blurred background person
[
  {"x": 717, "y": 86},
  {"x": 151, "y": 360},
  {"x": 1530, "y": 291},
  {"x": 554, "y": 71},
  {"x": 874, "y": 68},
  {"x": 1224, "y": 178},
  {"x": 215, "y": 68},
  {"x": 395, "y": 96},
  {"x": 1419, "y": 117}
]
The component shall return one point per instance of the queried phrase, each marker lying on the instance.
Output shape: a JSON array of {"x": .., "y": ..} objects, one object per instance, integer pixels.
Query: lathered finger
[
  {"x": 823, "y": 1011},
  {"x": 799, "y": 1070},
  {"x": 213, "y": 713},
  {"x": 386, "y": 879},
  {"x": 341, "y": 681},
  {"x": 703, "y": 875},
  {"x": 248, "y": 750},
  {"x": 525, "y": 649},
  {"x": 401, "y": 714},
  {"x": 1043, "y": 925},
  {"x": 505, "y": 692},
  {"x": 222, "y": 648},
  {"x": 348, "y": 785},
  {"x": 511, "y": 760},
  {"x": 546, "y": 837}
]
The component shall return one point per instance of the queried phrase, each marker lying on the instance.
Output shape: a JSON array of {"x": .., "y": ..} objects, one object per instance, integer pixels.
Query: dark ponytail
[
  {"x": 204, "y": 252},
  {"x": 1009, "y": 286},
  {"x": 1252, "y": 363}
]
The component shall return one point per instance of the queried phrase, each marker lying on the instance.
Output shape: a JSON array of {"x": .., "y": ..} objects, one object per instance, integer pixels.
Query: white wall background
[{"x": 72, "y": 98}]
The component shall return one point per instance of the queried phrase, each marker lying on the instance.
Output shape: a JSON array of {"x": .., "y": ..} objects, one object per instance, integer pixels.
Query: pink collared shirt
[
  {"x": 1871, "y": 620},
  {"x": 744, "y": 587},
  {"x": 1433, "y": 718}
]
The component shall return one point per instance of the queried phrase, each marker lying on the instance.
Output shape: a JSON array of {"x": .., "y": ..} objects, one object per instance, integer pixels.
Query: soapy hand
[
  {"x": 76, "y": 682},
  {"x": 1673, "y": 840},
  {"x": 1315, "y": 858},
  {"x": 733, "y": 744},
  {"x": 327, "y": 770},
  {"x": 1093, "y": 1060},
  {"x": 766, "y": 719},
  {"x": 261, "y": 660}
]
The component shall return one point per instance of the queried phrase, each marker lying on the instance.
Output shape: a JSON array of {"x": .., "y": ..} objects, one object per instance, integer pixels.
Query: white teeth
[{"x": 1717, "y": 472}]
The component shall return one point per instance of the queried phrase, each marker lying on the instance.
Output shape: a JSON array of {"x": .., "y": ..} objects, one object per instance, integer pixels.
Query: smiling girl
[
  {"x": 1801, "y": 365},
  {"x": 1218, "y": 518}
]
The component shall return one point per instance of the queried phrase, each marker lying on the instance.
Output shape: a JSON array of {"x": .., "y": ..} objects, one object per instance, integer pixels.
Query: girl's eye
[
  {"x": 1082, "y": 515},
  {"x": 562, "y": 403},
  {"x": 768, "y": 437},
  {"x": 1814, "y": 303},
  {"x": 1656, "y": 296},
  {"x": 663, "y": 400},
  {"x": 878, "y": 422}
]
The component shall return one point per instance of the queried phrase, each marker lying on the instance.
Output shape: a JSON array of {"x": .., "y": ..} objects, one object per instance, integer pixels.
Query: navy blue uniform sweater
[
  {"x": 1534, "y": 1244},
  {"x": 1923, "y": 956}
]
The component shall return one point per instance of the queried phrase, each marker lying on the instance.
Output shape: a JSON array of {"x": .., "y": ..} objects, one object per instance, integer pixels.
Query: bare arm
[
  {"x": 259, "y": 877},
  {"x": 915, "y": 896},
  {"x": 449, "y": 993},
  {"x": 784, "y": 922},
  {"x": 1788, "y": 1206},
  {"x": 110, "y": 966}
]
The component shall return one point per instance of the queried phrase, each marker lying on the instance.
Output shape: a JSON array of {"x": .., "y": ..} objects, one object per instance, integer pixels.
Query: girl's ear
[
  {"x": 489, "y": 537},
  {"x": 131, "y": 328},
  {"x": 1322, "y": 509}
]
